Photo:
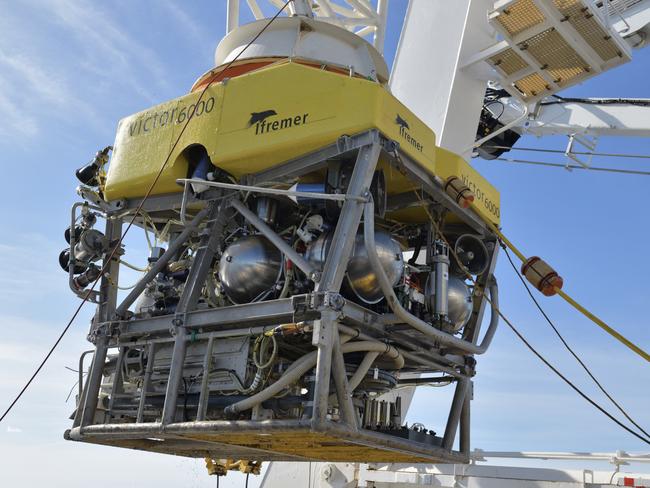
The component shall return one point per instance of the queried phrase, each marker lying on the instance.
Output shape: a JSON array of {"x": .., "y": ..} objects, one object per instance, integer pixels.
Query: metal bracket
[{"x": 584, "y": 140}]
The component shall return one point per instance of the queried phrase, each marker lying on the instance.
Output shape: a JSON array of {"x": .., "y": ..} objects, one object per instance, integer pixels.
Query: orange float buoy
[
  {"x": 459, "y": 191},
  {"x": 540, "y": 274}
]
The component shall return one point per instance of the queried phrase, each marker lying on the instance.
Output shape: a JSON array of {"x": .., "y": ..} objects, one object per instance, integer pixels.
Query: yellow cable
[
  {"x": 506, "y": 241},
  {"x": 604, "y": 326},
  {"x": 618, "y": 336}
]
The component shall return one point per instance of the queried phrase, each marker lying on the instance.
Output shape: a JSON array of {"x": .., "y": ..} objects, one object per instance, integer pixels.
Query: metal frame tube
[
  {"x": 88, "y": 401},
  {"x": 455, "y": 413},
  {"x": 338, "y": 255},
  {"x": 204, "y": 395},
  {"x": 87, "y": 405},
  {"x": 195, "y": 281},
  {"x": 343, "y": 391},
  {"x": 334, "y": 269},
  {"x": 151, "y": 357},
  {"x": 304, "y": 265},
  {"x": 160, "y": 264},
  {"x": 118, "y": 379},
  {"x": 465, "y": 423},
  {"x": 322, "y": 338},
  {"x": 80, "y": 381}
]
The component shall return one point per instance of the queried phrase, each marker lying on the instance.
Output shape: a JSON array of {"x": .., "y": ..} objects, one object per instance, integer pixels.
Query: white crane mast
[
  {"x": 357, "y": 16},
  {"x": 447, "y": 57},
  {"x": 426, "y": 76}
]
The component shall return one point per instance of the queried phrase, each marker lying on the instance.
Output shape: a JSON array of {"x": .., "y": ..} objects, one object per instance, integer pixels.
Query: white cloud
[
  {"x": 14, "y": 430},
  {"x": 110, "y": 49},
  {"x": 188, "y": 24},
  {"x": 41, "y": 84},
  {"x": 15, "y": 121},
  {"x": 28, "y": 269},
  {"x": 92, "y": 47}
]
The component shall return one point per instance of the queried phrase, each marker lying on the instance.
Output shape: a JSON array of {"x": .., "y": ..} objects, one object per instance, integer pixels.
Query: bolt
[{"x": 337, "y": 301}]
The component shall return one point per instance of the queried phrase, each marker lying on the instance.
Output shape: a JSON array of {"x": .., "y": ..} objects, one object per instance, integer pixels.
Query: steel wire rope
[
  {"x": 523, "y": 339},
  {"x": 641, "y": 102},
  {"x": 577, "y": 153},
  {"x": 569, "y": 382},
  {"x": 108, "y": 260},
  {"x": 573, "y": 166},
  {"x": 571, "y": 301},
  {"x": 569, "y": 348}
]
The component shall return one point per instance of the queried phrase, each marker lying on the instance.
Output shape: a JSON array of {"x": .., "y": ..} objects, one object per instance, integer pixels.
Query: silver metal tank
[
  {"x": 248, "y": 268},
  {"x": 459, "y": 302},
  {"x": 359, "y": 276}
]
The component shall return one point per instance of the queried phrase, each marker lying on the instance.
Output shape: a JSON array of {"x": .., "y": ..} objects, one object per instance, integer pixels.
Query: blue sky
[{"x": 70, "y": 69}]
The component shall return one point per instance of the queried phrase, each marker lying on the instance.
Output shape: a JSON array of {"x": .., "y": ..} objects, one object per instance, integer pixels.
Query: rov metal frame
[{"x": 332, "y": 315}]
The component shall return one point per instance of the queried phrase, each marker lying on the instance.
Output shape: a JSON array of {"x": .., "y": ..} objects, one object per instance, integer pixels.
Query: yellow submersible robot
[{"x": 322, "y": 257}]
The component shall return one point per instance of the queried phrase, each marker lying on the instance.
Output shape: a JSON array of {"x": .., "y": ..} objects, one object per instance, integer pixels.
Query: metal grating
[
  {"x": 508, "y": 61},
  {"x": 294, "y": 441},
  {"x": 520, "y": 16},
  {"x": 531, "y": 85},
  {"x": 588, "y": 27},
  {"x": 549, "y": 45},
  {"x": 555, "y": 56}
]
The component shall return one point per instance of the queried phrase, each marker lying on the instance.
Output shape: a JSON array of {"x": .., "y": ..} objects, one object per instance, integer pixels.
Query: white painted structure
[
  {"x": 357, "y": 16},
  {"x": 342, "y": 475},
  {"x": 426, "y": 75}
]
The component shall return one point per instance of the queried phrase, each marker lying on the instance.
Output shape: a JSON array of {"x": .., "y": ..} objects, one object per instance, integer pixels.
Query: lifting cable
[
  {"x": 523, "y": 339},
  {"x": 117, "y": 246},
  {"x": 617, "y": 335},
  {"x": 566, "y": 345}
]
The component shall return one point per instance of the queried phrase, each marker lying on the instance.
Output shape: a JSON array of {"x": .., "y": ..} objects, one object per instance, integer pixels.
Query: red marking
[{"x": 248, "y": 65}]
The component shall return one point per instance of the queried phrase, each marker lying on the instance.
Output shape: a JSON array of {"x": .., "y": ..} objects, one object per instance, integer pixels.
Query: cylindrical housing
[
  {"x": 88, "y": 277},
  {"x": 440, "y": 279},
  {"x": 91, "y": 245},
  {"x": 360, "y": 277},
  {"x": 383, "y": 413},
  {"x": 540, "y": 274},
  {"x": 459, "y": 191},
  {"x": 249, "y": 268},
  {"x": 373, "y": 414}
]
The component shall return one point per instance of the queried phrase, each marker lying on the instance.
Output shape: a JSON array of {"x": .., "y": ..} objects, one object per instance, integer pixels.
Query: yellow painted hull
[{"x": 266, "y": 117}]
